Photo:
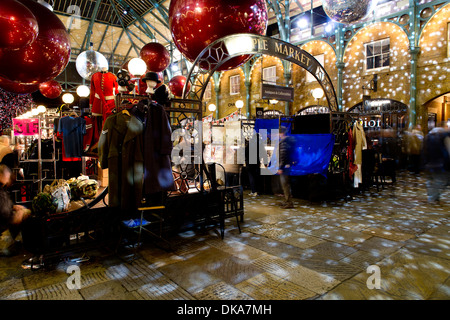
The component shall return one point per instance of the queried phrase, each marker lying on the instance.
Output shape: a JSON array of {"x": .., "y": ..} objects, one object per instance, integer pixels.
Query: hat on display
[{"x": 153, "y": 76}]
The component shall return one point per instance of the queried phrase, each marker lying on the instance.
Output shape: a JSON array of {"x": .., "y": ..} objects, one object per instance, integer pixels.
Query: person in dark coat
[
  {"x": 436, "y": 160},
  {"x": 286, "y": 147},
  {"x": 11, "y": 215}
]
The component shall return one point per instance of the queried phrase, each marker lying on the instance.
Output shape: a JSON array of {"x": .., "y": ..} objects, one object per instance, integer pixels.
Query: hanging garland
[{"x": 11, "y": 105}]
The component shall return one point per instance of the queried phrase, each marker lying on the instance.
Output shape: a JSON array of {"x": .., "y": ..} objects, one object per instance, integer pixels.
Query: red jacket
[{"x": 104, "y": 86}]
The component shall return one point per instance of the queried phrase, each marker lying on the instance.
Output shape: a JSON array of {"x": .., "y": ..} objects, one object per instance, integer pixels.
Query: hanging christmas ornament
[
  {"x": 50, "y": 89},
  {"x": 19, "y": 88},
  {"x": 176, "y": 85},
  {"x": 90, "y": 62},
  {"x": 348, "y": 11},
  {"x": 18, "y": 25},
  {"x": 45, "y": 58},
  {"x": 195, "y": 24},
  {"x": 155, "y": 56}
]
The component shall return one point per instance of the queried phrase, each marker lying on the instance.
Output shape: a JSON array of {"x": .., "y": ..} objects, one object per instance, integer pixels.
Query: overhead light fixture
[
  {"x": 239, "y": 104},
  {"x": 302, "y": 23},
  {"x": 68, "y": 98},
  {"x": 41, "y": 109},
  {"x": 212, "y": 107},
  {"x": 317, "y": 93},
  {"x": 83, "y": 91},
  {"x": 137, "y": 67}
]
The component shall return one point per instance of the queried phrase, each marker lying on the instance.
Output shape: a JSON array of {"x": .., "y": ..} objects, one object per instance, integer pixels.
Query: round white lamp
[
  {"x": 41, "y": 109},
  {"x": 83, "y": 91},
  {"x": 137, "y": 67},
  {"x": 212, "y": 107},
  {"x": 68, "y": 98},
  {"x": 239, "y": 104},
  {"x": 317, "y": 93}
]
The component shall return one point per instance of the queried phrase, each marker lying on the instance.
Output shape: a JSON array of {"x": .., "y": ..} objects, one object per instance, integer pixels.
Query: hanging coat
[
  {"x": 157, "y": 150},
  {"x": 121, "y": 151}
]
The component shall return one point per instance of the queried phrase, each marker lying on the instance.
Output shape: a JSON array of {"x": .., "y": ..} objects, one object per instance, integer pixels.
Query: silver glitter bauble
[
  {"x": 348, "y": 11},
  {"x": 90, "y": 62}
]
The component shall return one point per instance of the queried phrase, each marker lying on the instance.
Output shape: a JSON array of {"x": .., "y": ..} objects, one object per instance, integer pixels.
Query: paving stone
[
  {"x": 362, "y": 259},
  {"x": 237, "y": 249},
  {"x": 307, "y": 278},
  {"x": 337, "y": 270},
  {"x": 388, "y": 234},
  {"x": 332, "y": 250},
  {"x": 12, "y": 289},
  {"x": 191, "y": 276},
  {"x": 232, "y": 270},
  {"x": 403, "y": 276},
  {"x": 221, "y": 291},
  {"x": 266, "y": 286},
  {"x": 430, "y": 244},
  {"x": 161, "y": 290},
  {"x": 58, "y": 291},
  {"x": 347, "y": 237},
  {"x": 110, "y": 290},
  {"x": 379, "y": 246}
]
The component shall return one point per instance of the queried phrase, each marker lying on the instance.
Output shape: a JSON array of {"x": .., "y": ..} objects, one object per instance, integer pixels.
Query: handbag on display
[
  {"x": 83, "y": 187},
  {"x": 60, "y": 192}
]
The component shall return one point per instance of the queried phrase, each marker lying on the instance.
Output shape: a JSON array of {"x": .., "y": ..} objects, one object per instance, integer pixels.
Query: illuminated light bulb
[
  {"x": 83, "y": 91},
  {"x": 137, "y": 67},
  {"x": 212, "y": 107},
  {"x": 68, "y": 98},
  {"x": 41, "y": 109}
]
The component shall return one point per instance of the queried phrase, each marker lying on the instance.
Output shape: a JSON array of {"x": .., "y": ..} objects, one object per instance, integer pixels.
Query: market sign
[
  {"x": 26, "y": 127},
  {"x": 270, "y": 91},
  {"x": 226, "y": 48}
]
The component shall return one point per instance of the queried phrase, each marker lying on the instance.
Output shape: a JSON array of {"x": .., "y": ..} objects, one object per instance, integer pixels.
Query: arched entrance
[
  {"x": 437, "y": 112},
  {"x": 384, "y": 121},
  {"x": 224, "y": 49}
]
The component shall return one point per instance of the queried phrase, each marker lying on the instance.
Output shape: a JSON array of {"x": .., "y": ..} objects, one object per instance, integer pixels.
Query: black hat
[{"x": 151, "y": 76}]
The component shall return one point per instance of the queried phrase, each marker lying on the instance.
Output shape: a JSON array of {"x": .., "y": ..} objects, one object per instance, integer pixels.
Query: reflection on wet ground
[{"x": 386, "y": 244}]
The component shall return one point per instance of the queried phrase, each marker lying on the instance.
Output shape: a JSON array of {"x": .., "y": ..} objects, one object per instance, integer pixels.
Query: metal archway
[{"x": 226, "y": 48}]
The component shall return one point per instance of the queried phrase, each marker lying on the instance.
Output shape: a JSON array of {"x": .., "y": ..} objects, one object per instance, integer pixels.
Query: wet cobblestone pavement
[{"x": 314, "y": 251}]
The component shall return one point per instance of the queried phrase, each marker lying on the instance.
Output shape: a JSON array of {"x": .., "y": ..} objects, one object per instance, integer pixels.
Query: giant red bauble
[
  {"x": 155, "y": 56},
  {"x": 50, "y": 89},
  {"x": 43, "y": 59},
  {"x": 195, "y": 24},
  {"x": 18, "y": 25},
  {"x": 176, "y": 85},
  {"x": 15, "y": 87}
]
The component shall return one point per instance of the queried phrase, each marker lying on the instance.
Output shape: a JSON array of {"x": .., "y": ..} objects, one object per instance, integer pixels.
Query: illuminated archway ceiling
[{"x": 119, "y": 28}]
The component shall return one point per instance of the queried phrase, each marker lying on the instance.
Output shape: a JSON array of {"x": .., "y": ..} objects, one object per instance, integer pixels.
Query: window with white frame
[
  {"x": 235, "y": 84},
  {"x": 377, "y": 54},
  {"x": 270, "y": 75},
  {"x": 321, "y": 59},
  {"x": 207, "y": 94}
]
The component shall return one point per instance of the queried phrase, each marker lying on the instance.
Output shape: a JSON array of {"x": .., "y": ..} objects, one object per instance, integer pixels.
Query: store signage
[
  {"x": 273, "y": 113},
  {"x": 249, "y": 43},
  {"x": 26, "y": 127},
  {"x": 270, "y": 91}
]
